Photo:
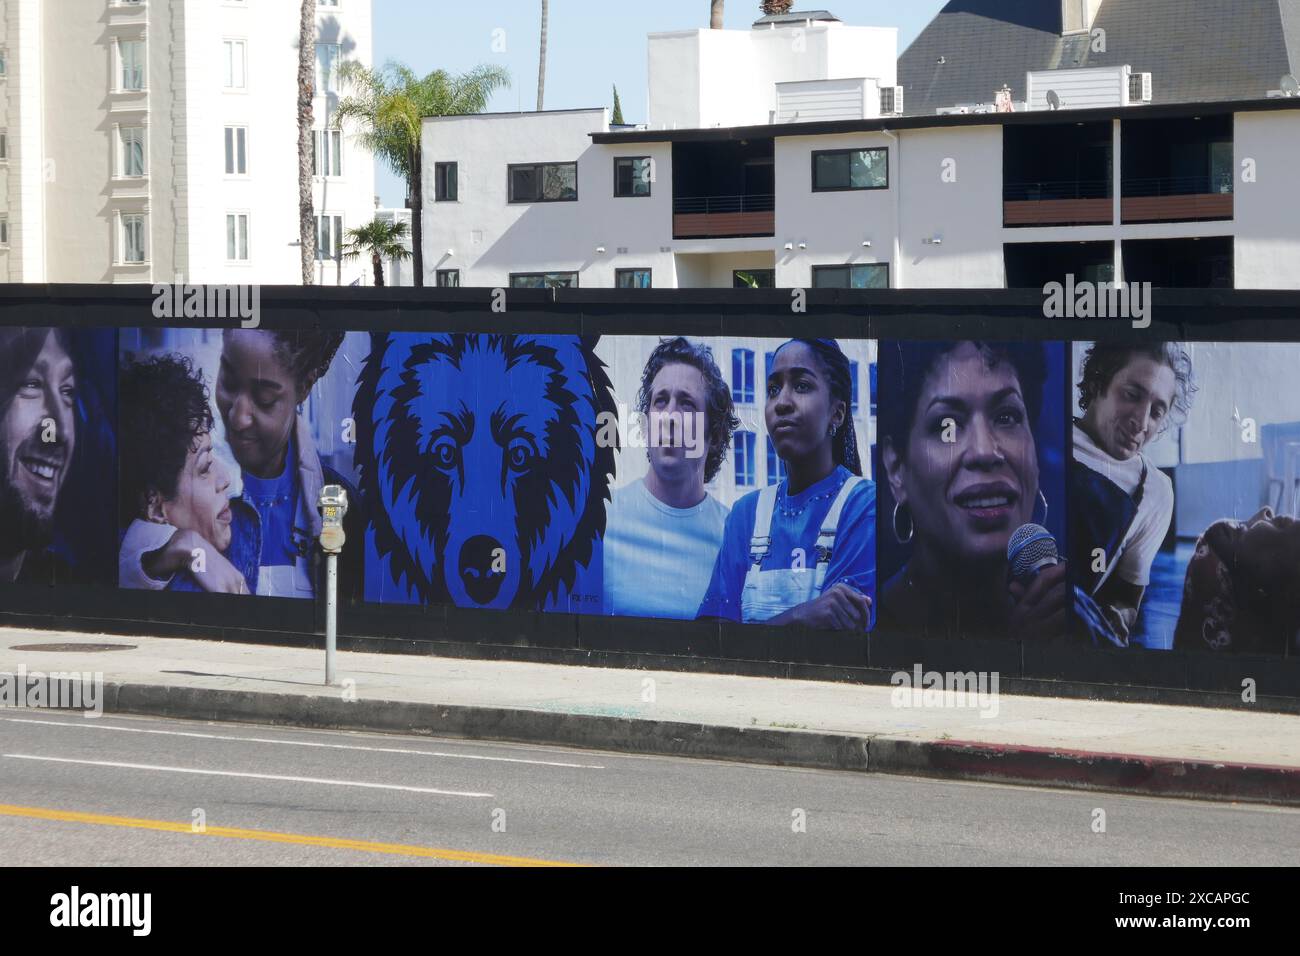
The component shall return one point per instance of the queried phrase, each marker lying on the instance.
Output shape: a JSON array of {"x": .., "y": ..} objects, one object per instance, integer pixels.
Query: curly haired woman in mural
[
  {"x": 803, "y": 551},
  {"x": 958, "y": 446}
]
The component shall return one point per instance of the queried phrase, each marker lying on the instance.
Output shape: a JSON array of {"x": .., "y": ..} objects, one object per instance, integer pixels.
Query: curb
[{"x": 945, "y": 759}]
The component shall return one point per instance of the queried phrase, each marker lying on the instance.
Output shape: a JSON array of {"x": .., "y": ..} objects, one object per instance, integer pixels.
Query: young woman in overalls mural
[{"x": 803, "y": 551}]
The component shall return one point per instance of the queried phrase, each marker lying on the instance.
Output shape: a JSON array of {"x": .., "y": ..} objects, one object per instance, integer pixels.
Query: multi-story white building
[
  {"x": 145, "y": 139},
  {"x": 786, "y": 155}
]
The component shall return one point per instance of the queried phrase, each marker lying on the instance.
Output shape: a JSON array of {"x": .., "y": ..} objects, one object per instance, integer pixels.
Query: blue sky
[{"x": 593, "y": 44}]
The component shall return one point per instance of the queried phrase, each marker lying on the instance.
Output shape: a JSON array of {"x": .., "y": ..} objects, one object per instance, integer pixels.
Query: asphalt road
[{"x": 121, "y": 791}]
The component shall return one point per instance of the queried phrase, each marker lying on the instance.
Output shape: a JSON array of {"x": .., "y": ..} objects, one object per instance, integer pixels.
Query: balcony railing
[
  {"x": 1177, "y": 199},
  {"x": 1068, "y": 202},
  {"x": 721, "y": 217}
]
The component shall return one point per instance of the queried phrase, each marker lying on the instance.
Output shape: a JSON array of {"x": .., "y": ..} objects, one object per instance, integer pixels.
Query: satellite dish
[
  {"x": 1289, "y": 85},
  {"x": 1053, "y": 100}
]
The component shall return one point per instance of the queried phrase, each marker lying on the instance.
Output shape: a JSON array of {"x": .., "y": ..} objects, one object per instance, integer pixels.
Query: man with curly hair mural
[
  {"x": 1121, "y": 503},
  {"x": 663, "y": 531}
]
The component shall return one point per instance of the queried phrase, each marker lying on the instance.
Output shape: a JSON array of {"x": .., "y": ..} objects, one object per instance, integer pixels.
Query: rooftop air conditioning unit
[
  {"x": 891, "y": 99},
  {"x": 1139, "y": 88}
]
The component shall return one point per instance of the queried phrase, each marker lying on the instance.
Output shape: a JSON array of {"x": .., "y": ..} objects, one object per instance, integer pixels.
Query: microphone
[{"x": 1031, "y": 549}]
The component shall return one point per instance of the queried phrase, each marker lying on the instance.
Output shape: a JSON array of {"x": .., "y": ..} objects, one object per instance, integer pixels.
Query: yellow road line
[{"x": 267, "y": 836}]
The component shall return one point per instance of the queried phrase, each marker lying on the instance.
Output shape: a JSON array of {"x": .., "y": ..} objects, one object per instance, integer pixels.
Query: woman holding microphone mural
[
  {"x": 963, "y": 441},
  {"x": 803, "y": 551}
]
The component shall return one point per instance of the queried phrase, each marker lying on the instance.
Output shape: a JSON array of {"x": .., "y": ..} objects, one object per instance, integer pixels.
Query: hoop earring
[
  {"x": 911, "y": 527},
  {"x": 1043, "y": 498},
  {"x": 300, "y": 404},
  {"x": 834, "y": 429}
]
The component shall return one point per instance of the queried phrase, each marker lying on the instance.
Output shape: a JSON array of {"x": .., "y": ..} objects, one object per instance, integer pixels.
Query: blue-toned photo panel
[{"x": 622, "y": 476}]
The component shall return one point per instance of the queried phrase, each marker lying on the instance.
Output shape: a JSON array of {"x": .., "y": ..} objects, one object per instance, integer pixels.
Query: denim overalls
[{"x": 769, "y": 593}]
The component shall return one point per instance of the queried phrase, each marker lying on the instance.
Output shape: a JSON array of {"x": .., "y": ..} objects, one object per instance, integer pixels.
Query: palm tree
[
  {"x": 773, "y": 8},
  {"x": 388, "y": 106},
  {"x": 541, "y": 66},
  {"x": 715, "y": 14},
  {"x": 306, "y": 84},
  {"x": 382, "y": 239}
]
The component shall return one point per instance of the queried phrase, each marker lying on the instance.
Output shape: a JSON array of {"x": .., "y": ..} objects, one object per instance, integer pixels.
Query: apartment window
[
  {"x": 873, "y": 275},
  {"x": 236, "y": 151},
  {"x": 544, "y": 182},
  {"x": 775, "y": 466},
  {"x": 327, "y": 152},
  {"x": 448, "y": 278},
  {"x": 236, "y": 237},
  {"x": 327, "y": 67},
  {"x": 743, "y": 444},
  {"x": 4, "y": 61},
  {"x": 4, "y": 230},
  {"x": 329, "y": 237},
  {"x": 742, "y": 375},
  {"x": 4, "y": 146},
  {"x": 874, "y": 375},
  {"x": 853, "y": 385},
  {"x": 633, "y": 176},
  {"x": 131, "y": 157},
  {"x": 236, "y": 54},
  {"x": 133, "y": 238},
  {"x": 446, "y": 182},
  {"x": 632, "y": 278},
  {"x": 839, "y": 169},
  {"x": 543, "y": 280},
  {"x": 130, "y": 54}
]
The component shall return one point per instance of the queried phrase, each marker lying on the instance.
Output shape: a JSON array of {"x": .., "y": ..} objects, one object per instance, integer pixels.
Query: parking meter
[{"x": 333, "y": 507}]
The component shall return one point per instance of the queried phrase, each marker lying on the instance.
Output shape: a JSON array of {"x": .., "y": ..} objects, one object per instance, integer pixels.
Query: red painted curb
[{"x": 1091, "y": 770}]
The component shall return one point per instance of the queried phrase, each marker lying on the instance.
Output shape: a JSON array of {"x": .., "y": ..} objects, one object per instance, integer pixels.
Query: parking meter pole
[{"x": 331, "y": 615}]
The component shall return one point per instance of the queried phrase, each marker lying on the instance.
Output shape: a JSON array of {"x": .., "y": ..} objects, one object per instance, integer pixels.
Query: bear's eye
[
  {"x": 446, "y": 453},
  {"x": 520, "y": 455}
]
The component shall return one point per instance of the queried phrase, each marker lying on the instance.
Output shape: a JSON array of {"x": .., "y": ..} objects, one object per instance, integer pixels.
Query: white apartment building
[
  {"x": 145, "y": 139},
  {"x": 785, "y": 155}
]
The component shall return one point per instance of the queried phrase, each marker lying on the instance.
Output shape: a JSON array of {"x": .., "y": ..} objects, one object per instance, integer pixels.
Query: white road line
[
  {"x": 254, "y": 776},
  {"x": 86, "y": 725}
]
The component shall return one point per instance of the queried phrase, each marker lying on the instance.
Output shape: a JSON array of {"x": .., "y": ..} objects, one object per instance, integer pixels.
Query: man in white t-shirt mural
[
  {"x": 1121, "y": 503},
  {"x": 663, "y": 531}
]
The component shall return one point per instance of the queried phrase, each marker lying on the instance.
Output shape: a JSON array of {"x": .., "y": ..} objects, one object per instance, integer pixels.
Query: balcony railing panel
[
  {"x": 1085, "y": 202},
  {"x": 722, "y": 217},
  {"x": 1177, "y": 199}
]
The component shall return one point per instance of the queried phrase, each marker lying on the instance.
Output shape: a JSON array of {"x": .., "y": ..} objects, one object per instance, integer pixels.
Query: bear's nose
[{"x": 482, "y": 581}]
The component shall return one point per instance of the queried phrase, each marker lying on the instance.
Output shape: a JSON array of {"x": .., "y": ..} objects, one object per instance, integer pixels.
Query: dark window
[
  {"x": 544, "y": 182},
  {"x": 743, "y": 442},
  {"x": 874, "y": 275},
  {"x": 753, "y": 279},
  {"x": 1205, "y": 263},
  {"x": 632, "y": 278},
  {"x": 448, "y": 278},
  {"x": 543, "y": 280},
  {"x": 853, "y": 381},
  {"x": 742, "y": 375},
  {"x": 850, "y": 169},
  {"x": 1032, "y": 265},
  {"x": 633, "y": 176},
  {"x": 775, "y": 466},
  {"x": 446, "y": 182}
]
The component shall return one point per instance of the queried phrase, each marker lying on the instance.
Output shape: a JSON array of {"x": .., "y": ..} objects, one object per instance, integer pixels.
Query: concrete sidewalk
[{"x": 1133, "y": 748}]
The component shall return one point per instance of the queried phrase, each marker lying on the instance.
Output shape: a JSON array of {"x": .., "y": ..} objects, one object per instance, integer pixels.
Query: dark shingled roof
[{"x": 1196, "y": 50}]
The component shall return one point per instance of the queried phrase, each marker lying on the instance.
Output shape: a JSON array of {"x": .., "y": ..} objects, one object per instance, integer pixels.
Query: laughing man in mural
[{"x": 38, "y": 387}]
